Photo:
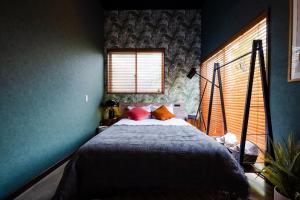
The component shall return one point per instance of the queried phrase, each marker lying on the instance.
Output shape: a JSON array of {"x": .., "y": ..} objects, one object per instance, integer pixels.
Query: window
[
  {"x": 135, "y": 71},
  {"x": 234, "y": 82}
]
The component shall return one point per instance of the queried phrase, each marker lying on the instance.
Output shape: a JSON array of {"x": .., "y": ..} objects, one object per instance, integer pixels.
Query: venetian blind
[
  {"x": 135, "y": 71},
  {"x": 234, "y": 82}
]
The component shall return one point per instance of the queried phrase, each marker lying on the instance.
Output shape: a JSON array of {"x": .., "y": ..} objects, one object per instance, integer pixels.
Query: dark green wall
[
  {"x": 51, "y": 57},
  {"x": 220, "y": 22}
]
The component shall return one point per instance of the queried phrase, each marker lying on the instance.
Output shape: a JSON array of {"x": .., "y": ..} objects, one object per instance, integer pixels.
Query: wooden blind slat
[
  {"x": 234, "y": 82},
  {"x": 135, "y": 71}
]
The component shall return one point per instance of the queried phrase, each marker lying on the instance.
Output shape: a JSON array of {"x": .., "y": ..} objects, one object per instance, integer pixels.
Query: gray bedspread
[{"x": 124, "y": 158}]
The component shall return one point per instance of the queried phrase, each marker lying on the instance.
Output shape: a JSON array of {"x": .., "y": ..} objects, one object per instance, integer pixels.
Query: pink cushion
[{"x": 138, "y": 114}]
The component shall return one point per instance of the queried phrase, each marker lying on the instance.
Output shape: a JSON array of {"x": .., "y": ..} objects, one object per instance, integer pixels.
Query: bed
[{"x": 151, "y": 155}]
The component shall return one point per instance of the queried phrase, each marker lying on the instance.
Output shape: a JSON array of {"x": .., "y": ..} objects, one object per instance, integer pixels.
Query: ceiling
[{"x": 150, "y": 4}]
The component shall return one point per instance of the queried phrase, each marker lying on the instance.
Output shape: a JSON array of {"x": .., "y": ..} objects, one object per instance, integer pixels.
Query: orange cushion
[{"x": 162, "y": 113}]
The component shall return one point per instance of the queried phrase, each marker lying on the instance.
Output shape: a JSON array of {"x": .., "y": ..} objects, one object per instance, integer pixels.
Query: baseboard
[
  {"x": 37, "y": 178},
  {"x": 42, "y": 175}
]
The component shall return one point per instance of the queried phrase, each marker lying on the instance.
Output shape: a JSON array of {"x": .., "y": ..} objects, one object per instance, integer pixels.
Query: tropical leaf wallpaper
[{"x": 178, "y": 31}]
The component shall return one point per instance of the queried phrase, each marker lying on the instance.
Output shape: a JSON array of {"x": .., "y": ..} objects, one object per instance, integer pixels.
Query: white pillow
[
  {"x": 170, "y": 107},
  {"x": 147, "y": 108}
]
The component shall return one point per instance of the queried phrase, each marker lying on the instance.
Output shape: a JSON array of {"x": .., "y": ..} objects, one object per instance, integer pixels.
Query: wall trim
[
  {"x": 37, "y": 178},
  {"x": 43, "y": 174}
]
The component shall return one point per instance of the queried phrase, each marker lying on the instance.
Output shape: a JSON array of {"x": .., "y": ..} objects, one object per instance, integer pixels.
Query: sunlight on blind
[
  {"x": 234, "y": 82},
  {"x": 122, "y": 72},
  {"x": 135, "y": 71},
  {"x": 149, "y": 72}
]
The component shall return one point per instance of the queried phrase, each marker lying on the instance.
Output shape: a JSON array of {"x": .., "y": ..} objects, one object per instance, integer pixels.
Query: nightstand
[
  {"x": 193, "y": 122},
  {"x": 108, "y": 122},
  {"x": 105, "y": 123},
  {"x": 100, "y": 129},
  {"x": 191, "y": 119}
]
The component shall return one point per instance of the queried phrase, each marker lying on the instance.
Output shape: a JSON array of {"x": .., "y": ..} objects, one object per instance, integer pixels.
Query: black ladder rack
[{"x": 257, "y": 48}]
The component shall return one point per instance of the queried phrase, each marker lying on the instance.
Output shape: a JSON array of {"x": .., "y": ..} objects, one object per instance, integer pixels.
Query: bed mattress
[{"x": 148, "y": 156}]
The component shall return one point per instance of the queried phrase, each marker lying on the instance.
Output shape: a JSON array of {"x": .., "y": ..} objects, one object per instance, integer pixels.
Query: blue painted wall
[
  {"x": 51, "y": 57},
  {"x": 221, "y": 22}
]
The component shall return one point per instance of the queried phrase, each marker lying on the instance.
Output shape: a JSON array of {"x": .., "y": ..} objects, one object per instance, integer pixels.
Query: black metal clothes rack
[{"x": 257, "y": 49}]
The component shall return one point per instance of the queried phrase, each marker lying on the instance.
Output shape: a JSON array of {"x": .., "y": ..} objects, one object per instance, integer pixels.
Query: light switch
[{"x": 86, "y": 98}]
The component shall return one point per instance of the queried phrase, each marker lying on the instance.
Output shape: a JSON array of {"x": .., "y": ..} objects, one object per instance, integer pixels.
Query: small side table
[
  {"x": 104, "y": 124},
  {"x": 108, "y": 122},
  {"x": 193, "y": 121},
  {"x": 100, "y": 129}
]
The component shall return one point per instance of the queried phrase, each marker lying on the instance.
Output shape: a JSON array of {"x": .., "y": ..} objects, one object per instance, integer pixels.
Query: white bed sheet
[{"x": 173, "y": 121}]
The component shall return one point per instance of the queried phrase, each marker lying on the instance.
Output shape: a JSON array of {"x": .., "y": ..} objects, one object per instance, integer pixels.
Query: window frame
[
  {"x": 135, "y": 50},
  {"x": 220, "y": 50},
  {"x": 244, "y": 29}
]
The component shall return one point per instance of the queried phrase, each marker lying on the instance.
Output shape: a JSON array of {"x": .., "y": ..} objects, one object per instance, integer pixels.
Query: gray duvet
[{"x": 139, "y": 158}]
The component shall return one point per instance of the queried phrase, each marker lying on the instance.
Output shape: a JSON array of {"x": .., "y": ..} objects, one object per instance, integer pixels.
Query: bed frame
[{"x": 179, "y": 108}]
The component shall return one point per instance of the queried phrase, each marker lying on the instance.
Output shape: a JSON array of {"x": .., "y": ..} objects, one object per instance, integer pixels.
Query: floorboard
[{"x": 45, "y": 189}]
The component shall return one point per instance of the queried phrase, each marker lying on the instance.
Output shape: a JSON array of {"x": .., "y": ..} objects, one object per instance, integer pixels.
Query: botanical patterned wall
[{"x": 178, "y": 31}]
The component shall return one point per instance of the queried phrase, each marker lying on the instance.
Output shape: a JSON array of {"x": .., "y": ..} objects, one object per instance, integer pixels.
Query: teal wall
[
  {"x": 51, "y": 57},
  {"x": 220, "y": 22}
]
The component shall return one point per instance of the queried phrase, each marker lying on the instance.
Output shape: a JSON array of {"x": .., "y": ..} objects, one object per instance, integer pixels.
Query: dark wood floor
[
  {"x": 167, "y": 196},
  {"x": 45, "y": 189},
  {"x": 260, "y": 190}
]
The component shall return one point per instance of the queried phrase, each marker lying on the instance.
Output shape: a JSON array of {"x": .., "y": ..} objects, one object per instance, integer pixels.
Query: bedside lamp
[
  {"x": 111, "y": 104},
  {"x": 190, "y": 75}
]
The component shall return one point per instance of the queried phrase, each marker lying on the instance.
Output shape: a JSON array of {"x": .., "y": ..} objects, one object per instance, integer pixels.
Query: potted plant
[{"x": 283, "y": 171}]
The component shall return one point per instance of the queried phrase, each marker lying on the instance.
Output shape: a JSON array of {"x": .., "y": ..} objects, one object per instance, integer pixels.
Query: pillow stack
[{"x": 163, "y": 112}]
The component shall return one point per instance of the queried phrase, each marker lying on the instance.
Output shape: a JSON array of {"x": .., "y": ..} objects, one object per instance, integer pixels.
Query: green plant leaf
[
  {"x": 291, "y": 148},
  {"x": 280, "y": 154},
  {"x": 284, "y": 169},
  {"x": 278, "y": 165},
  {"x": 274, "y": 177},
  {"x": 295, "y": 165}
]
